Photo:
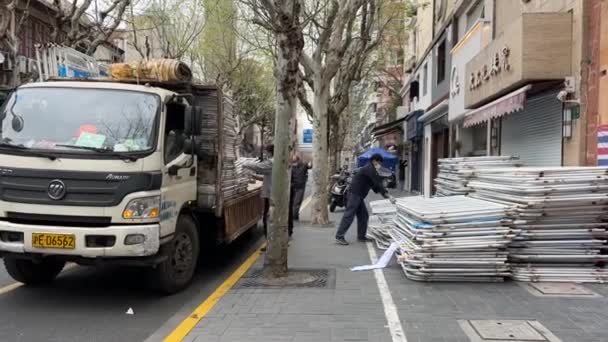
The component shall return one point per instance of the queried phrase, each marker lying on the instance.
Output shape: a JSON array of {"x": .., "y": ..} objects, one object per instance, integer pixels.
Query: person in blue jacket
[{"x": 365, "y": 179}]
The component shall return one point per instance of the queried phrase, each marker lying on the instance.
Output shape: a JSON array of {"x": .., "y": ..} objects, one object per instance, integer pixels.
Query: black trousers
[
  {"x": 267, "y": 209},
  {"x": 297, "y": 195},
  {"x": 354, "y": 207},
  {"x": 290, "y": 216},
  {"x": 265, "y": 217}
]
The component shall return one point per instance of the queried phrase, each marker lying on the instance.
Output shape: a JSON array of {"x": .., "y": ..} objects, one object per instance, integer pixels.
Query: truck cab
[{"x": 102, "y": 172}]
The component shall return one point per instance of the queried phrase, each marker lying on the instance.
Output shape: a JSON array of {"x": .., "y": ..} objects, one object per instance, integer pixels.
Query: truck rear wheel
[
  {"x": 33, "y": 273},
  {"x": 176, "y": 273}
]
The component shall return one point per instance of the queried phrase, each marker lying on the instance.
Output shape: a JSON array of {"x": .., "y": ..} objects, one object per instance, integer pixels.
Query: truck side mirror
[
  {"x": 194, "y": 147},
  {"x": 17, "y": 123},
  {"x": 193, "y": 118},
  {"x": 188, "y": 124}
]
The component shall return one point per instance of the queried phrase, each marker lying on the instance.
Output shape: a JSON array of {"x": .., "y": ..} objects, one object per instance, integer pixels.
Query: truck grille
[
  {"x": 94, "y": 189},
  {"x": 58, "y": 220}
]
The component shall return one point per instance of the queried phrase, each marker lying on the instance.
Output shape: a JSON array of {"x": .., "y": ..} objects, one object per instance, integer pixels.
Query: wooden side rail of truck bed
[{"x": 241, "y": 213}]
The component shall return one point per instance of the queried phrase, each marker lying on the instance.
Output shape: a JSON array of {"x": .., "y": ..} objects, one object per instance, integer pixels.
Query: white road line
[
  {"x": 305, "y": 203},
  {"x": 10, "y": 288},
  {"x": 390, "y": 309}
]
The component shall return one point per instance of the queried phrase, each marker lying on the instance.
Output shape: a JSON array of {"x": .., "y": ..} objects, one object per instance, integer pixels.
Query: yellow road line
[
  {"x": 205, "y": 307},
  {"x": 15, "y": 286}
]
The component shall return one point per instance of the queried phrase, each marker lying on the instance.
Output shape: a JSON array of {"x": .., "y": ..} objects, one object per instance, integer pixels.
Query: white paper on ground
[{"x": 382, "y": 262}]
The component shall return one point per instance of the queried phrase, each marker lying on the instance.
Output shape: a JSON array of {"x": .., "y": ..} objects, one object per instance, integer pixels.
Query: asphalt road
[
  {"x": 5, "y": 279},
  {"x": 90, "y": 304}
]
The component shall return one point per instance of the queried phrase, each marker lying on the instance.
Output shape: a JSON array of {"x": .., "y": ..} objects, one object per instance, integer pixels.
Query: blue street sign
[{"x": 307, "y": 136}]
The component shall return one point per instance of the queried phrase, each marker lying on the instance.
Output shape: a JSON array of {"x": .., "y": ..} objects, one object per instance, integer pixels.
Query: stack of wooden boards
[
  {"x": 454, "y": 173},
  {"x": 453, "y": 238},
  {"x": 565, "y": 209}
]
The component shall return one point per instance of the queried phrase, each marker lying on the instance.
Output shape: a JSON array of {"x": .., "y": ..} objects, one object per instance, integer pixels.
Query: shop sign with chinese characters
[{"x": 498, "y": 64}]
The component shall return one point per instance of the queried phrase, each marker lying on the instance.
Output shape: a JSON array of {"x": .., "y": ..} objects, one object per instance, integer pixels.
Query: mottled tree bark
[{"x": 285, "y": 16}]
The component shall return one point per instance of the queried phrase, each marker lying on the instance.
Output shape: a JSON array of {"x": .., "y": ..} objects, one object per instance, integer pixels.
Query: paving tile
[{"x": 353, "y": 311}]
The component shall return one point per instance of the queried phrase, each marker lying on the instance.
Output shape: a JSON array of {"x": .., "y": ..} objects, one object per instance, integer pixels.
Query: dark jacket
[
  {"x": 299, "y": 175},
  {"x": 367, "y": 178}
]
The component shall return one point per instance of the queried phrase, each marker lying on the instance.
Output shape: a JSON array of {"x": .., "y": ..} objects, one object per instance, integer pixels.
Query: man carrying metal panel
[{"x": 365, "y": 179}]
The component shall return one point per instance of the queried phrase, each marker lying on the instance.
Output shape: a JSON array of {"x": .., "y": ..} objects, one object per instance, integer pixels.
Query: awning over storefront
[
  {"x": 393, "y": 126},
  {"x": 414, "y": 128},
  {"x": 435, "y": 112},
  {"x": 507, "y": 104}
]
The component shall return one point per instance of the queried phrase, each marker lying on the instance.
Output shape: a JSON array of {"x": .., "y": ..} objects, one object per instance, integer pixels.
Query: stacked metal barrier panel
[
  {"x": 453, "y": 176},
  {"x": 453, "y": 238},
  {"x": 234, "y": 179},
  {"x": 381, "y": 222},
  {"x": 566, "y": 211},
  {"x": 61, "y": 61}
]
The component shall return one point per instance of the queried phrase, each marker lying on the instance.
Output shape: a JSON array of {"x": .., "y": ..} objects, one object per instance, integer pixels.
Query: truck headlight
[{"x": 142, "y": 208}]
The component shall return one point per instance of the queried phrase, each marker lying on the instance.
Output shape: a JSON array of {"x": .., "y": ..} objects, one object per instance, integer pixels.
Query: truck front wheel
[
  {"x": 33, "y": 273},
  {"x": 176, "y": 273}
]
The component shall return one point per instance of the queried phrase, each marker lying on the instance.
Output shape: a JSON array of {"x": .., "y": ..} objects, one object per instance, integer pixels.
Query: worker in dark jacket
[
  {"x": 299, "y": 178},
  {"x": 365, "y": 179}
]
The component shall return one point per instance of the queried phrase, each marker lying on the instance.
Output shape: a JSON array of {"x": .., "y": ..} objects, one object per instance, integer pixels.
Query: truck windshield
[{"x": 79, "y": 120}]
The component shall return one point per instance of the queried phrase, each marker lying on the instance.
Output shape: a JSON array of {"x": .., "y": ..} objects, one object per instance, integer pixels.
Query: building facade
[
  {"x": 515, "y": 84},
  {"x": 495, "y": 77},
  {"x": 36, "y": 29}
]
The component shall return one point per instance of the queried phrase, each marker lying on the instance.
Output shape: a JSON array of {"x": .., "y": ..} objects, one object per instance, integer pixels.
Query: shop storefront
[
  {"x": 414, "y": 135},
  {"x": 436, "y": 143},
  {"x": 390, "y": 137},
  {"x": 470, "y": 141},
  {"x": 535, "y": 133},
  {"x": 512, "y": 86}
]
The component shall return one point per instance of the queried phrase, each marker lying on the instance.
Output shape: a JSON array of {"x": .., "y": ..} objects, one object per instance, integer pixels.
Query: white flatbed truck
[{"x": 96, "y": 172}]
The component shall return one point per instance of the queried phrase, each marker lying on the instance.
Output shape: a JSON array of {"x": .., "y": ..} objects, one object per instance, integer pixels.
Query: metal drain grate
[{"x": 297, "y": 278}]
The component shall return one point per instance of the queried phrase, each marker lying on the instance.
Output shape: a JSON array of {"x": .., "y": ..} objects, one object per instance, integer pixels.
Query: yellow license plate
[{"x": 61, "y": 241}]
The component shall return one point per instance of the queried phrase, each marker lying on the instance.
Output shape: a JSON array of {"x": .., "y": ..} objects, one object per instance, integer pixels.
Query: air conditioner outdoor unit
[
  {"x": 22, "y": 62},
  {"x": 32, "y": 66}
]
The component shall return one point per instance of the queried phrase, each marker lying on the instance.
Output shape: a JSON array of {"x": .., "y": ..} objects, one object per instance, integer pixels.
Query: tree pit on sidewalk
[{"x": 296, "y": 278}]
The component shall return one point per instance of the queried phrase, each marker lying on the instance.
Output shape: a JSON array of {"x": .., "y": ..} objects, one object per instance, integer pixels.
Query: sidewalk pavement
[{"x": 355, "y": 311}]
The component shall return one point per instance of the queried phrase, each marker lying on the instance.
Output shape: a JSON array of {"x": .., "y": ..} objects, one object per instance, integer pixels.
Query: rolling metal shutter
[{"x": 535, "y": 133}]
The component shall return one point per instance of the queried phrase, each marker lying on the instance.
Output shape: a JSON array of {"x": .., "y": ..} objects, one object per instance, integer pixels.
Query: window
[
  {"x": 399, "y": 57},
  {"x": 476, "y": 12},
  {"x": 112, "y": 120},
  {"x": 441, "y": 62},
  {"x": 174, "y": 131},
  {"x": 480, "y": 139},
  {"x": 425, "y": 73},
  {"x": 455, "y": 31}
]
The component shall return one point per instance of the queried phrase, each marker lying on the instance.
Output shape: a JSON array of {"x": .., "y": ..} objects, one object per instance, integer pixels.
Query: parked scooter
[
  {"x": 339, "y": 190},
  {"x": 341, "y": 186}
]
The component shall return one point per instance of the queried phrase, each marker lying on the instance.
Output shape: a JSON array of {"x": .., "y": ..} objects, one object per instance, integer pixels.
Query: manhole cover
[
  {"x": 559, "y": 290},
  {"x": 507, "y": 331},
  {"x": 297, "y": 278}
]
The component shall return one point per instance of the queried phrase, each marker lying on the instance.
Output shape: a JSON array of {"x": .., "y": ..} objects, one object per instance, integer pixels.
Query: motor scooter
[{"x": 339, "y": 190}]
